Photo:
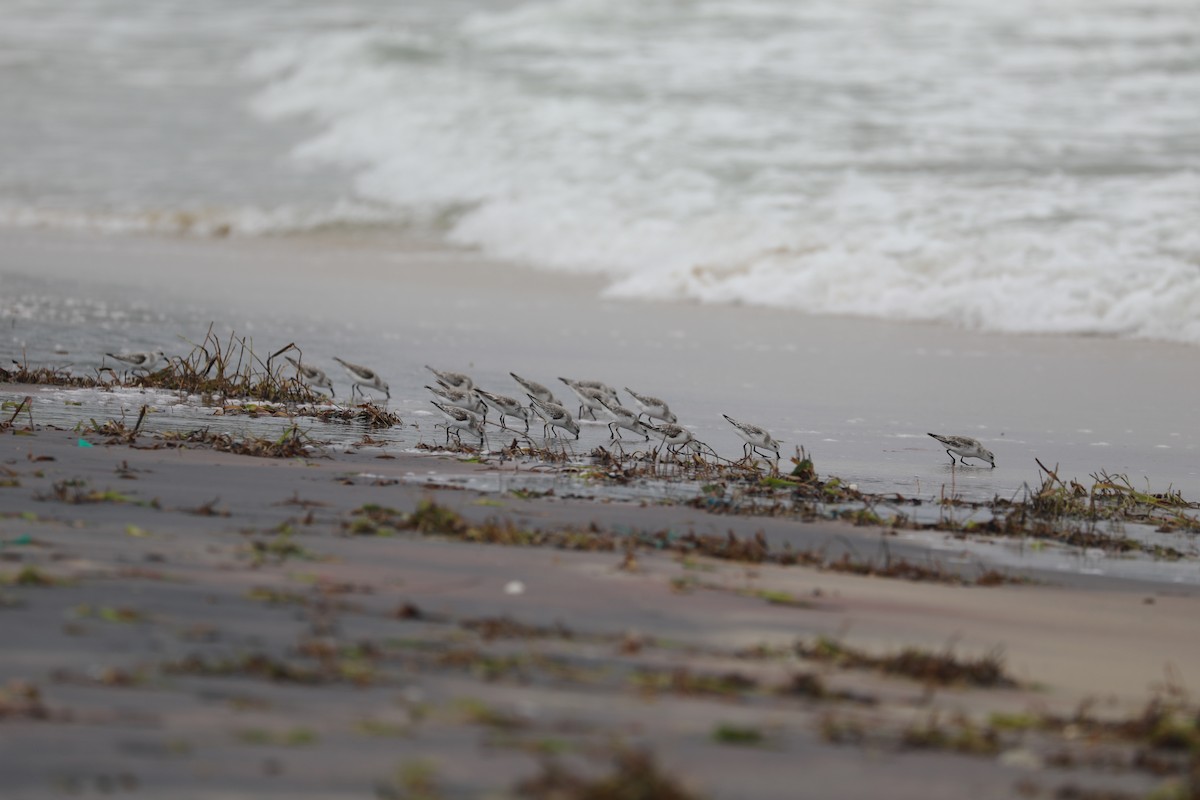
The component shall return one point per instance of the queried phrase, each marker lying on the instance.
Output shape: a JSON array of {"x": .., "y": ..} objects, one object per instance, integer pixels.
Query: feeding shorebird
[
  {"x": 461, "y": 420},
  {"x": 314, "y": 376},
  {"x": 140, "y": 360},
  {"x": 966, "y": 447},
  {"x": 459, "y": 399},
  {"x": 624, "y": 418},
  {"x": 754, "y": 437},
  {"x": 597, "y": 385},
  {"x": 554, "y": 416},
  {"x": 507, "y": 406},
  {"x": 535, "y": 389},
  {"x": 652, "y": 407},
  {"x": 363, "y": 376},
  {"x": 455, "y": 380},
  {"x": 675, "y": 437},
  {"x": 590, "y": 394}
]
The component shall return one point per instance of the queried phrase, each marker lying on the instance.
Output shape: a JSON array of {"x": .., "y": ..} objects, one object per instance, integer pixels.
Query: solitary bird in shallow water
[
  {"x": 139, "y": 360},
  {"x": 754, "y": 437},
  {"x": 314, "y": 376},
  {"x": 966, "y": 447},
  {"x": 363, "y": 376}
]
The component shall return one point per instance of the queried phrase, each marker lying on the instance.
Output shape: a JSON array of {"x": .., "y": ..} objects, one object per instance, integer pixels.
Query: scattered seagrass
[{"x": 432, "y": 519}]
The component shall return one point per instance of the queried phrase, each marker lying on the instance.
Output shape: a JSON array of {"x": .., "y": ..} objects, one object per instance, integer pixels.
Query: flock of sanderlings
[{"x": 465, "y": 408}]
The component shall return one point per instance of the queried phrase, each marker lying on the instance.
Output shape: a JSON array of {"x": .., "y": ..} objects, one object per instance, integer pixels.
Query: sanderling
[
  {"x": 966, "y": 447},
  {"x": 675, "y": 436},
  {"x": 554, "y": 416},
  {"x": 590, "y": 394},
  {"x": 363, "y": 376},
  {"x": 314, "y": 376},
  {"x": 140, "y": 360},
  {"x": 507, "y": 406},
  {"x": 455, "y": 380},
  {"x": 599, "y": 386},
  {"x": 754, "y": 437},
  {"x": 536, "y": 389},
  {"x": 459, "y": 399},
  {"x": 652, "y": 407},
  {"x": 460, "y": 419},
  {"x": 624, "y": 418}
]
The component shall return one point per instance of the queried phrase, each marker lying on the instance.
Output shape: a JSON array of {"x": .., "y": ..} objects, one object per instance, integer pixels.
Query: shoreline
[{"x": 859, "y": 394}]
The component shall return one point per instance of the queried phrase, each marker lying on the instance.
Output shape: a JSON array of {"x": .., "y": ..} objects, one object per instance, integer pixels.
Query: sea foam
[{"x": 1009, "y": 167}]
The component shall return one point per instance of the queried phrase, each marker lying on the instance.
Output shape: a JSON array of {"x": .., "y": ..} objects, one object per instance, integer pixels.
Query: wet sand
[
  {"x": 148, "y": 579},
  {"x": 860, "y": 395},
  {"x": 389, "y": 628}
]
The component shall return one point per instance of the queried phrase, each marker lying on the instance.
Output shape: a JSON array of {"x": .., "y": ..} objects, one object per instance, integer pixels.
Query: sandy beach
[
  {"x": 193, "y": 624},
  {"x": 854, "y": 226},
  {"x": 187, "y": 623}
]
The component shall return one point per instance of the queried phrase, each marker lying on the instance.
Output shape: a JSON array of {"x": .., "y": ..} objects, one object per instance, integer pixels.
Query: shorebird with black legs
[
  {"x": 459, "y": 419},
  {"x": 455, "y": 380},
  {"x": 675, "y": 437},
  {"x": 624, "y": 418},
  {"x": 313, "y": 376},
  {"x": 535, "y": 389},
  {"x": 554, "y": 416},
  {"x": 506, "y": 406},
  {"x": 652, "y": 407},
  {"x": 590, "y": 394},
  {"x": 754, "y": 438},
  {"x": 363, "y": 377},
  {"x": 965, "y": 447},
  {"x": 459, "y": 399},
  {"x": 140, "y": 360}
]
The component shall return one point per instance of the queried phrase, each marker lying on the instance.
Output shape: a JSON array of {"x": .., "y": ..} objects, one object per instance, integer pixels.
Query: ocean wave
[
  {"x": 1006, "y": 167},
  {"x": 1014, "y": 167}
]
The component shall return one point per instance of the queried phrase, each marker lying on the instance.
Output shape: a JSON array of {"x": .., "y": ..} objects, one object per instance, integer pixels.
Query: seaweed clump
[{"x": 635, "y": 775}]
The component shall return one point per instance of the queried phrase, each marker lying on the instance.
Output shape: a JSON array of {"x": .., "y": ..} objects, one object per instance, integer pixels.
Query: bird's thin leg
[{"x": 951, "y": 456}]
